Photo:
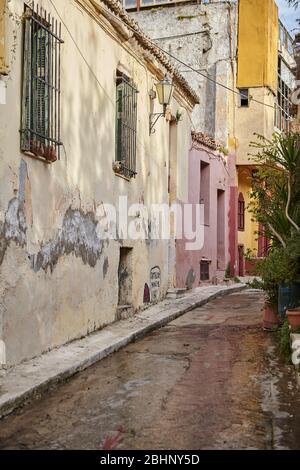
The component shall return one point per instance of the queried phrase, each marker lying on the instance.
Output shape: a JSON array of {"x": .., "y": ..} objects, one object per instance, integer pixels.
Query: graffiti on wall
[{"x": 155, "y": 281}]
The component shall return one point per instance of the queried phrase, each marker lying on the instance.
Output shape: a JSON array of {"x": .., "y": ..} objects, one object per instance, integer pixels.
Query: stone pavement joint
[{"x": 32, "y": 378}]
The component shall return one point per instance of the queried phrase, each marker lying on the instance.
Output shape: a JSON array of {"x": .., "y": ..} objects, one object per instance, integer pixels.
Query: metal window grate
[
  {"x": 40, "y": 126},
  {"x": 126, "y": 122}
]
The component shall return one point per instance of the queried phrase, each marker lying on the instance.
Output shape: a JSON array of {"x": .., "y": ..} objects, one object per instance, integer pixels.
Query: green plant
[
  {"x": 275, "y": 204},
  {"x": 282, "y": 266},
  {"x": 249, "y": 254},
  {"x": 255, "y": 284},
  {"x": 275, "y": 197},
  {"x": 228, "y": 271},
  {"x": 285, "y": 341},
  {"x": 223, "y": 150}
]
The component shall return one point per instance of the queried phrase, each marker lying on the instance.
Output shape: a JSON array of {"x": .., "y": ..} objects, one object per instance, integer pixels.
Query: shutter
[
  {"x": 26, "y": 91},
  {"x": 126, "y": 120},
  {"x": 41, "y": 104},
  {"x": 119, "y": 127},
  {"x": 40, "y": 117}
]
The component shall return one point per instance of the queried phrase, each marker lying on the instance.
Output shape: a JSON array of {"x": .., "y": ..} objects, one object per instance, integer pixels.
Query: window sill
[
  {"x": 121, "y": 171},
  {"x": 37, "y": 157},
  {"x": 120, "y": 175}
]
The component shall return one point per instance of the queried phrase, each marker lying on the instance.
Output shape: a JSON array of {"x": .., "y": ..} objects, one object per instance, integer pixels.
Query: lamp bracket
[{"x": 153, "y": 118}]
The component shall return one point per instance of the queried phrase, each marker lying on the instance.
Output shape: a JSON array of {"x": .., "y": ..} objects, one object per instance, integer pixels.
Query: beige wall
[
  {"x": 3, "y": 52},
  {"x": 256, "y": 119},
  {"x": 48, "y": 297}
]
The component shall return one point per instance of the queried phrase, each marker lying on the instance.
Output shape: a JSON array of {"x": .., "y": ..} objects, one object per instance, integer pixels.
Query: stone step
[
  {"x": 176, "y": 293},
  {"x": 124, "y": 312}
]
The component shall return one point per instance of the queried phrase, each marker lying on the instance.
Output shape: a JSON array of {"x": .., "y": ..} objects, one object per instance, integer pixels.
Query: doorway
[
  {"x": 125, "y": 277},
  {"x": 241, "y": 260}
]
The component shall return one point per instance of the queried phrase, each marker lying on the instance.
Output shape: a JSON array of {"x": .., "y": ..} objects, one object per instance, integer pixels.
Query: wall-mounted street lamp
[{"x": 164, "y": 89}]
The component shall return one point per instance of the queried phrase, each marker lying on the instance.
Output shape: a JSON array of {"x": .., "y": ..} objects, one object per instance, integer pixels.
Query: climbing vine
[{"x": 16, "y": 21}]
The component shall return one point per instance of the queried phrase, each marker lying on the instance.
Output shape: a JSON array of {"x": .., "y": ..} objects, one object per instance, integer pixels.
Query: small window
[
  {"x": 244, "y": 98},
  {"x": 205, "y": 190},
  {"x": 126, "y": 122},
  {"x": 241, "y": 213},
  {"x": 40, "y": 124},
  {"x": 204, "y": 270}
]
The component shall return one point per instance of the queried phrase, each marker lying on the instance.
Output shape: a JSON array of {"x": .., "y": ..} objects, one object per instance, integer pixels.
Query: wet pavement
[{"x": 211, "y": 379}]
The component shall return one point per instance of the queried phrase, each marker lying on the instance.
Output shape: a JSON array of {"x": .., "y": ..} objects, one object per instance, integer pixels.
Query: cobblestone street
[{"x": 211, "y": 379}]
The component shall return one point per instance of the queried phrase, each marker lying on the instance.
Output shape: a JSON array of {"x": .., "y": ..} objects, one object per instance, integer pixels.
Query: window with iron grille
[
  {"x": 126, "y": 121},
  {"x": 284, "y": 105},
  {"x": 241, "y": 212},
  {"x": 204, "y": 270},
  {"x": 40, "y": 126}
]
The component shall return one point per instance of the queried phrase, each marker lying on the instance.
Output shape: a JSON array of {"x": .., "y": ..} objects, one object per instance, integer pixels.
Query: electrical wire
[
  {"x": 95, "y": 76},
  {"x": 208, "y": 77}
]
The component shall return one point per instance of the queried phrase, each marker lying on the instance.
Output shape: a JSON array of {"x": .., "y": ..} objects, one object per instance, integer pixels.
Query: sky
[{"x": 288, "y": 15}]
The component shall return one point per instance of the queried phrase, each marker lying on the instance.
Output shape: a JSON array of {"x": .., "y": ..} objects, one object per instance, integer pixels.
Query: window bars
[
  {"x": 40, "y": 121},
  {"x": 283, "y": 108},
  {"x": 126, "y": 123}
]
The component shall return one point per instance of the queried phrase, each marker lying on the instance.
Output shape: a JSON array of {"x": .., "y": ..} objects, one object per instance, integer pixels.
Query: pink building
[{"x": 212, "y": 182}]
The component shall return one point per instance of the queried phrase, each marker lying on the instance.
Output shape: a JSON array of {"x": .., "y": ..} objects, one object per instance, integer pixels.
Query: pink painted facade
[{"x": 212, "y": 181}]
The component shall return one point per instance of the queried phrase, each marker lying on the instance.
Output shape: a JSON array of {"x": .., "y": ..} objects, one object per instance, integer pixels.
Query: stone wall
[{"x": 204, "y": 37}]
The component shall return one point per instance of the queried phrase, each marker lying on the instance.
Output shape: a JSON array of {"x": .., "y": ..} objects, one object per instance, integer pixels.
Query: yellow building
[{"x": 264, "y": 79}]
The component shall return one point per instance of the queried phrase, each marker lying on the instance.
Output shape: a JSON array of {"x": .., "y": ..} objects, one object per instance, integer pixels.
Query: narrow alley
[{"x": 211, "y": 379}]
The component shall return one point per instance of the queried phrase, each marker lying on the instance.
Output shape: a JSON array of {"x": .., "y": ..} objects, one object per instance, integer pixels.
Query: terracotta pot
[
  {"x": 37, "y": 148},
  {"x": 293, "y": 315},
  {"x": 271, "y": 318},
  {"x": 50, "y": 154}
]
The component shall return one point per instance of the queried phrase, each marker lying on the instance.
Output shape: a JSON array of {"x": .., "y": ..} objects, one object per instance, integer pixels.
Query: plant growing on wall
[{"x": 16, "y": 21}]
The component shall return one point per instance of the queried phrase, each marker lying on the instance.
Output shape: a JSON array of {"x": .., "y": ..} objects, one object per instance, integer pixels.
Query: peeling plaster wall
[
  {"x": 58, "y": 273},
  {"x": 201, "y": 36}
]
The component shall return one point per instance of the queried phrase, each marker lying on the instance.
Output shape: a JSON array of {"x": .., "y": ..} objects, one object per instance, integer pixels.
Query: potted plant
[
  {"x": 267, "y": 269},
  {"x": 275, "y": 205},
  {"x": 50, "y": 154},
  {"x": 293, "y": 315}
]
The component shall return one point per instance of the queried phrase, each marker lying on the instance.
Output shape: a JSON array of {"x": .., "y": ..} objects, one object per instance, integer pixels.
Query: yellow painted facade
[
  {"x": 257, "y": 44},
  {"x": 257, "y": 70},
  {"x": 247, "y": 237},
  {"x": 3, "y": 64}
]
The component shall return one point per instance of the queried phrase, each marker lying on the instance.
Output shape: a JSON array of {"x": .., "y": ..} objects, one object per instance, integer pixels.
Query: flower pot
[
  {"x": 288, "y": 297},
  {"x": 271, "y": 319},
  {"x": 293, "y": 315},
  {"x": 50, "y": 154},
  {"x": 37, "y": 148}
]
